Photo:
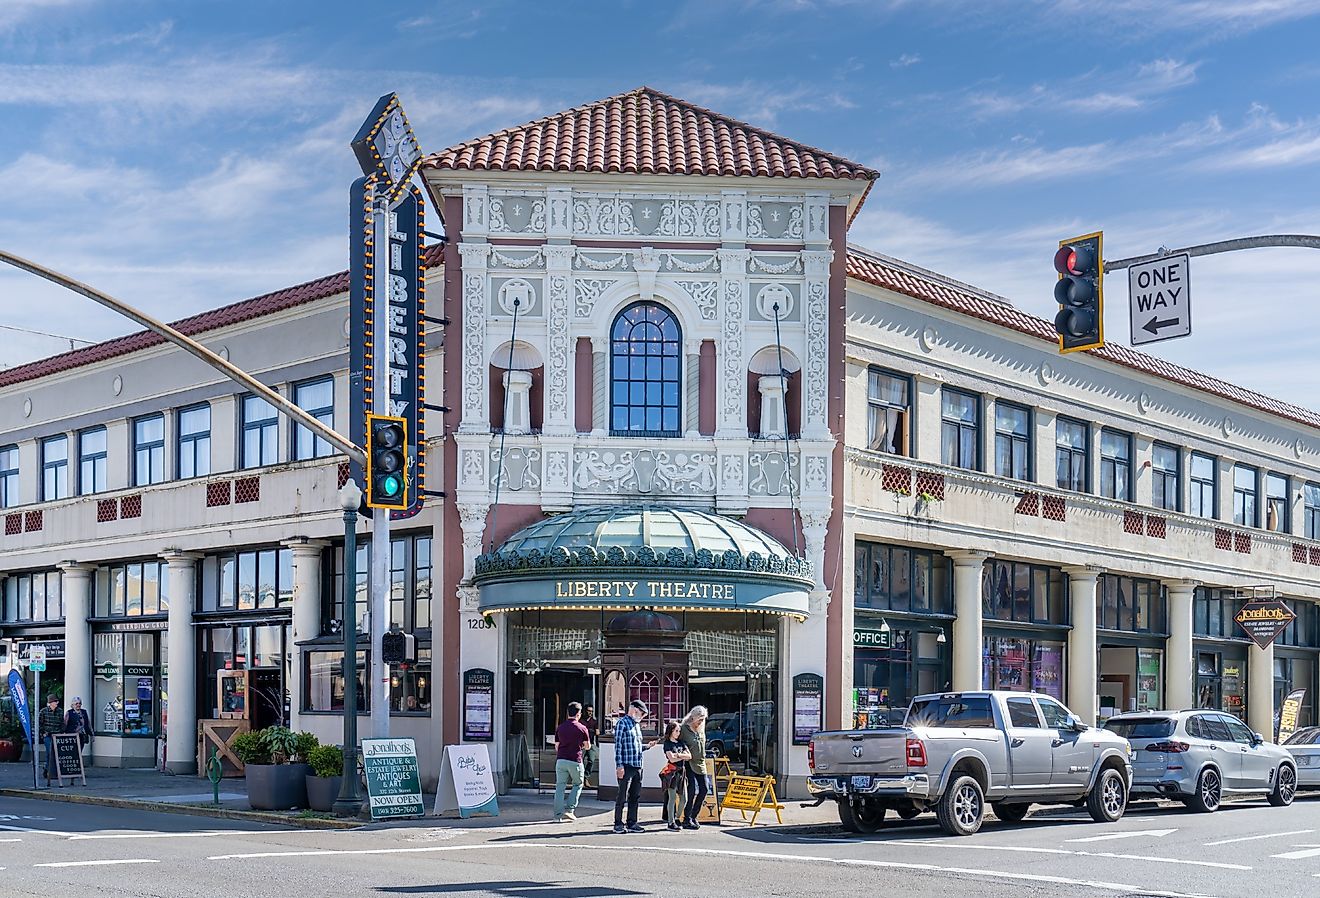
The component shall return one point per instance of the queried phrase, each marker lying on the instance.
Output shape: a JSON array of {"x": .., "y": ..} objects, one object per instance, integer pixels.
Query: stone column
[
  {"x": 1082, "y": 649},
  {"x": 774, "y": 414},
  {"x": 181, "y": 726},
  {"x": 692, "y": 394},
  {"x": 307, "y": 554},
  {"x": 1260, "y": 690},
  {"x": 967, "y": 641},
  {"x": 76, "y": 587},
  {"x": 1179, "y": 669},
  {"x": 600, "y": 386}
]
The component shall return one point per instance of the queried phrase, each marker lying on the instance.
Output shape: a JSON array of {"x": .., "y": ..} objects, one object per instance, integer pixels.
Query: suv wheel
[
  {"x": 961, "y": 808},
  {"x": 866, "y": 817},
  {"x": 1108, "y": 797},
  {"x": 1010, "y": 813},
  {"x": 1209, "y": 790},
  {"x": 1285, "y": 787},
  {"x": 715, "y": 749}
]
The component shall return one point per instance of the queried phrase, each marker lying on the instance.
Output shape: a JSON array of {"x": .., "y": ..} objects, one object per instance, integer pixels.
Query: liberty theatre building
[{"x": 696, "y": 449}]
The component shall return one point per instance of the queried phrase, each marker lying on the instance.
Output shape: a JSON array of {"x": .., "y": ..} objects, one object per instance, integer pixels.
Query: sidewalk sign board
[
  {"x": 466, "y": 783},
  {"x": 394, "y": 784},
  {"x": 68, "y": 757}
]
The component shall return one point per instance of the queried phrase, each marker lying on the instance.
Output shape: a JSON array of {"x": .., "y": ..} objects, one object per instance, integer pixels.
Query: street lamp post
[{"x": 349, "y": 802}]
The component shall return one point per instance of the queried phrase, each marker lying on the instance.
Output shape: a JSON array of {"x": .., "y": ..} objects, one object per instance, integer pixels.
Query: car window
[
  {"x": 1022, "y": 713},
  {"x": 1056, "y": 715},
  {"x": 1142, "y": 727},
  {"x": 1194, "y": 728},
  {"x": 952, "y": 711},
  {"x": 1307, "y": 736},
  {"x": 1213, "y": 728},
  {"x": 1238, "y": 731}
]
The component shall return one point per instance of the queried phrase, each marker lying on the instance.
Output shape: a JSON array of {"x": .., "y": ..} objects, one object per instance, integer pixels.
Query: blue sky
[{"x": 186, "y": 154}]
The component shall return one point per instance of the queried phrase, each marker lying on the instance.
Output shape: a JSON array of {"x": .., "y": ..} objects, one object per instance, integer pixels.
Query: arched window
[{"x": 644, "y": 385}]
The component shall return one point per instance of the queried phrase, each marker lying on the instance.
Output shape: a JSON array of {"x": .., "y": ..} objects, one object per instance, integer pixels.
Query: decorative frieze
[
  {"x": 816, "y": 364},
  {"x": 644, "y": 472},
  {"x": 475, "y": 257}
]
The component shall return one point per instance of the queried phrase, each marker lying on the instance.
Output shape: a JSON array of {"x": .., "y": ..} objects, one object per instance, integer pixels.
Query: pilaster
[
  {"x": 181, "y": 725},
  {"x": 476, "y": 258},
  {"x": 815, "y": 367},
  {"x": 558, "y": 357},
  {"x": 967, "y": 630},
  {"x": 732, "y": 408},
  {"x": 1083, "y": 652}
]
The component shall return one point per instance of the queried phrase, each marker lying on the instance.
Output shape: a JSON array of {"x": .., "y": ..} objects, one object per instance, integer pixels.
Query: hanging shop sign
[
  {"x": 808, "y": 706},
  {"x": 53, "y": 648},
  {"x": 18, "y": 694},
  {"x": 865, "y": 638},
  {"x": 478, "y": 705},
  {"x": 394, "y": 784},
  {"x": 1264, "y": 620}
]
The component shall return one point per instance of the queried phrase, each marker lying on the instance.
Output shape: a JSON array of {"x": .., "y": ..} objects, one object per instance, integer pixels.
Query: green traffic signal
[{"x": 387, "y": 462}]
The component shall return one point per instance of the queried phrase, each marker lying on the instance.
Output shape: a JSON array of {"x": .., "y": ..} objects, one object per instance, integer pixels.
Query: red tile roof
[
  {"x": 645, "y": 132},
  {"x": 930, "y": 287}
]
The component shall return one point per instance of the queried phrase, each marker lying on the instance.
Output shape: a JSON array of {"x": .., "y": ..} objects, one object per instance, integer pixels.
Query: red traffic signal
[{"x": 1080, "y": 319}]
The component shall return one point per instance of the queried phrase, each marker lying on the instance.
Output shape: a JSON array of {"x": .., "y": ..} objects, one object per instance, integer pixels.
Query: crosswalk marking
[
  {"x": 1303, "y": 852},
  {"x": 1294, "y": 832},
  {"x": 105, "y": 863}
]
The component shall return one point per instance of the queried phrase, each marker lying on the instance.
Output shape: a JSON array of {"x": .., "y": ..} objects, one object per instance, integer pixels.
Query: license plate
[{"x": 861, "y": 782}]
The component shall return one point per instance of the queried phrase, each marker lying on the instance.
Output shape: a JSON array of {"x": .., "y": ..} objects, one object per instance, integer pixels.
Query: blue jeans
[
  {"x": 697, "y": 790},
  {"x": 567, "y": 773}
]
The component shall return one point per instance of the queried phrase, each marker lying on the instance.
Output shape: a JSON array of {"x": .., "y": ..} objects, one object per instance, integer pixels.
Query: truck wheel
[
  {"x": 1285, "y": 787},
  {"x": 846, "y": 816},
  {"x": 1209, "y": 789},
  {"x": 1108, "y": 797},
  {"x": 867, "y": 817},
  {"x": 1010, "y": 813},
  {"x": 961, "y": 808}
]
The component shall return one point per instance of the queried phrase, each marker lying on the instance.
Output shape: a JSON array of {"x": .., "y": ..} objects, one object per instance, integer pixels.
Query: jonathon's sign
[{"x": 1263, "y": 621}]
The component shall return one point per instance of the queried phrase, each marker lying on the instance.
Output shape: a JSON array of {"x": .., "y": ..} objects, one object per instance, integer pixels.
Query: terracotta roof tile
[
  {"x": 902, "y": 278},
  {"x": 645, "y": 132}
]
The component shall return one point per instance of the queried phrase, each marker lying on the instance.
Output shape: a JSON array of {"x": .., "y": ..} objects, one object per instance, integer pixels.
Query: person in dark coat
[
  {"x": 49, "y": 722},
  {"x": 76, "y": 720}
]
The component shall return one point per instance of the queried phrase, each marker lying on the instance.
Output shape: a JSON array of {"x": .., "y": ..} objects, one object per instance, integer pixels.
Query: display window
[
  {"x": 126, "y": 684},
  {"x": 1023, "y": 665}
]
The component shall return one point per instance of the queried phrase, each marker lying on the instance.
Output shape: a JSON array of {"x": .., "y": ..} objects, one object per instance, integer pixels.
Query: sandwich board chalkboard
[
  {"x": 394, "y": 785},
  {"x": 68, "y": 757}
]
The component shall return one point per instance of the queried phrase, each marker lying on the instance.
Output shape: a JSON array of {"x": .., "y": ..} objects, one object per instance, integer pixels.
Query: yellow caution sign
[{"x": 751, "y": 793}]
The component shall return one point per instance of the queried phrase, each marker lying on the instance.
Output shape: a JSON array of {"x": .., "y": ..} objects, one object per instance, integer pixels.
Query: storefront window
[
  {"x": 886, "y": 679},
  {"x": 1130, "y": 605},
  {"x": 410, "y": 585},
  {"x": 1213, "y": 613},
  {"x": 410, "y": 686},
  {"x": 1149, "y": 679},
  {"x": 896, "y": 578},
  {"x": 259, "y": 579},
  {"x": 252, "y": 647},
  {"x": 324, "y": 675},
  {"x": 126, "y": 684},
  {"x": 34, "y": 597},
  {"x": 1221, "y": 682},
  {"x": 1023, "y": 665},
  {"x": 1022, "y": 593},
  {"x": 136, "y": 589}
]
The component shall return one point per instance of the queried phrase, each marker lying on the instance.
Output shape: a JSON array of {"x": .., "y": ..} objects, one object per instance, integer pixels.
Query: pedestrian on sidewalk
[
  {"x": 673, "y": 776},
  {"x": 50, "y": 721},
  {"x": 591, "y": 757},
  {"x": 77, "y": 721},
  {"x": 628, "y": 750},
  {"x": 570, "y": 740},
  {"x": 693, "y": 736}
]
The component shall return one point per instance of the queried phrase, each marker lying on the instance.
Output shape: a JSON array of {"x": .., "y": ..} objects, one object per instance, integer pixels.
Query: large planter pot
[
  {"x": 322, "y": 791},
  {"x": 10, "y": 750},
  {"x": 277, "y": 787}
]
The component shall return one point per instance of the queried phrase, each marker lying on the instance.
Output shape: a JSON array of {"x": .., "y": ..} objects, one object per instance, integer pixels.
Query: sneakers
[
  {"x": 691, "y": 824},
  {"x": 636, "y": 829},
  {"x": 673, "y": 827},
  {"x": 570, "y": 817},
  {"x": 619, "y": 828}
]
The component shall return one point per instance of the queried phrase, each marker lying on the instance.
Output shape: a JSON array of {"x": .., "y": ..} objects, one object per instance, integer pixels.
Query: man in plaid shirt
[{"x": 628, "y": 750}]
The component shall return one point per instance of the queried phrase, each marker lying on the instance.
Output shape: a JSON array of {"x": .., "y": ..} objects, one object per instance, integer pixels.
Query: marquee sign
[
  {"x": 1265, "y": 620},
  {"x": 385, "y": 146}
]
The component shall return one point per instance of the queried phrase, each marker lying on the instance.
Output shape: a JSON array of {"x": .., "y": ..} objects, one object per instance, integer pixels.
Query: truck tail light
[
  {"x": 811, "y": 755},
  {"x": 1171, "y": 748},
  {"x": 916, "y": 753}
]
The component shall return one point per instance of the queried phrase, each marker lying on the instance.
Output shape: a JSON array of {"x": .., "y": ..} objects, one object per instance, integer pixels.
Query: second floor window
[
  {"x": 1071, "y": 454},
  {"x": 1012, "y": 441},
  {"x": 1165, "y": 477},
  {"x": 54, "y": 468},
  {"x": 91, "y": 461},
  {"x": 1276, "y": 503},
  {"x": 8, "y": 476},
  {"x": 889, "y": 413},
  {"x": 194, "y": 441},
  {"x": 260, "y": 433},
  {"x": 1244, "y": 496},
  {"x": 317, "y": 398},
  {"x": 1203, "y": 487},
  {"x": 644, "y": 380},
  {"x": 1311, "y": 508},
  {"x": 960, "y": 429},
  {"x": 149, "y": 450},
  {"x": 1116, "y": 465}
]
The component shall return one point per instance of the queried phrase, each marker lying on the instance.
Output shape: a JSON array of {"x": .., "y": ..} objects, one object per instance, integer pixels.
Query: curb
[{"x": 186, "y": 809}]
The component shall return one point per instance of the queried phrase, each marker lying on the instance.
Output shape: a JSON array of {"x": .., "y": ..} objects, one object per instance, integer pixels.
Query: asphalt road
[{"x": 55, "y": 849}]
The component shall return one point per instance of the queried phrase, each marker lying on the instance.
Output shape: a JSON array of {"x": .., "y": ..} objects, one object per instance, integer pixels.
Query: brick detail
[
  {"x": 1242, "y": 543},
  {"x": 1155, "y": 526},
  {"x": 343, "y": 474},
  {"x": 1134, "y": 522},
  {"x": 130, "y": 506},
  {"x": 219, "y": 492},
  {"x": 13, "y": 524},
  {"x": 32, "y": 521},
  {"x": 247, "y": 489},
  {"x": 896, "y": 479},
  {"x": 1028, "y": 504},
  {"x": 1315, "y": 556},
  {"x": 1223, "y": 539},
  {"x": 930, "y": 483},
  {"x": 107, "y": 510},
  {"x": 1053, "y": 508}
]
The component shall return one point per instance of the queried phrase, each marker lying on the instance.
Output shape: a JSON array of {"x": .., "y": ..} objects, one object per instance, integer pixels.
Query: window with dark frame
[
  {"x": 1213, "y": 610},
  {"x": 410, "y": 583},
  {"x": 889, "y": 413},
  {"x": 34, "y": 597},
  {"x": 54, "y": 468},
  {"x": 1276, "y": 503},
  {"x": 1203, "y": 501},
  {"x": 1131, "y": 604},
  {"x": 149, "y": 450},
  {"x": 131, "y": 589},
  {"x": 317, "y": 398},
  {"x": 645, "y": 351},
  {"x": 91, "y": 460},
  {"x": 1245, "y": 494},
  {"x": 194, "y": 441},
  {"x": 1018, "y": 592},
  {"x": 1311, "y": 510},
  {"x": 1013, "y": 441},
  {"x": 260, "y": 433},
  {"x": 250, "y": 579},
  {"x": 1116, "y": 465},
  {"x": 1166, "y": 477},
  {"x": 9, "y": 485},
  {"x": 1071, "y": 454},
  {"x": 960, "y": 429},
  {"x": 899, "y": 578}
]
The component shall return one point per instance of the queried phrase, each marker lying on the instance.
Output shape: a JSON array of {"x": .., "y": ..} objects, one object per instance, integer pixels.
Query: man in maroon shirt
[{"x": 571, "y": 740}]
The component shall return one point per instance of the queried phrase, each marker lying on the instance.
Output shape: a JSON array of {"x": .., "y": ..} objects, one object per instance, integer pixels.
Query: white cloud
[
  {"x": 16, "y": 12},
  {"x": 1091, "y": 92},
  {"x": 907, "y": 59},
  {"x": 1214, "y": 17}
]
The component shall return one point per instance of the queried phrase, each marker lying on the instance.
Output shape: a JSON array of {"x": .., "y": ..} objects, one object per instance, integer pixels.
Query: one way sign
[{"x": 1160, "y": 299}]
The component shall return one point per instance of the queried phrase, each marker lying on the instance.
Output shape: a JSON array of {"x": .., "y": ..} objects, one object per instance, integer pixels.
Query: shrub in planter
[
  {"x": 12, "y": 739},
  {"x": 327, "y": 763},
  {"x": 276, "y": 772}
]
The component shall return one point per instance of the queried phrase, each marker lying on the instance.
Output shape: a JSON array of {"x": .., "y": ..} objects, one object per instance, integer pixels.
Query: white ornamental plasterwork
[
  {"x": 691, "y": 265},
  {"x": 763, "y": 264},
  {"x": 556, "y": 470},
  {"x": 597, "y": 262},
  {"x": 705, "y": 294},
  {"x": 473, "y": 470},
  {"x": 814, "y": 391},
  {"x": 516, "y": 214},
  {"x": 644, "y": 471},
  {"x": 613, "y": 216},
  {"x": 774, "y": 301},
  {"x": 772, "y": 474},
  {"x": 733, "y": 311},
  {"x": 475, "y": 388},
  {"x": 775, "y": 220},
  {"x": 558, "y": 259},
  {"x": 474, "y": 209},
  {"x": 818, "y": 220},
  {"x": 500, "y": 260},
  {"x": 585, "y": 293},
  {"x": 735, "y": 215},
  {"x": 817, "y": 479},
  {"x": 815, "y": 527},
  {"x": 521, "y": 469},
  {"x": 519, "y": 291},
  {"x": 732, "y": 473},
  {"x": 472, "y": 520}
]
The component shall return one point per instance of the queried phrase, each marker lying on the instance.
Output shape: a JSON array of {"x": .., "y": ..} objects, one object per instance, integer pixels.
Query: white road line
[
  {"x": 1294, "y": 832},
  {"x": 11, "y": 840},
  {"x": 125, "y": 860},
  {"x": 190, "y": 835},
  {"x": 1159, "y": 833},
  {"x": 1109, "y": 854},
  {"x": 27, "y": 829},
  {"x": 1306, "y": 851},
  {"x": 323, "y": 852}
]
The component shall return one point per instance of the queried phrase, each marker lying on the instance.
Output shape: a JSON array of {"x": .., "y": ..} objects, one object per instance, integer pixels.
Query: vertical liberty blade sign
[{"x": 406, "y": 297}]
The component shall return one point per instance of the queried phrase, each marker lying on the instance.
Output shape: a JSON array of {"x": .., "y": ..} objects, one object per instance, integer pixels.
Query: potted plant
[
  {"x": 275, "y": 766},
  {"x": 327, "y": 763},
  {"x": 12, "y": 739}
]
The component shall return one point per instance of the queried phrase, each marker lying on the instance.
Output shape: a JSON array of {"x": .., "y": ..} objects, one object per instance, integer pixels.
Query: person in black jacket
[
  {"x": 76, "y": 720},
  {"x": 49, "y": 722}
]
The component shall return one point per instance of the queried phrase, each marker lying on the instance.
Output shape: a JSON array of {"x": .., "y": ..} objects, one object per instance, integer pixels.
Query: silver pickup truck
[{"x": 956, "y": 751}]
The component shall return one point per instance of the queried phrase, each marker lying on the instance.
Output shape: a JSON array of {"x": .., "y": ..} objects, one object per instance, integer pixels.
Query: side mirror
[
  {"x": 1257, "y": 739},
  {"x": 1075, "y": 724}
]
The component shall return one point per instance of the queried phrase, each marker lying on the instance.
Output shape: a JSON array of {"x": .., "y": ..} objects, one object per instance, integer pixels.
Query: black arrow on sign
[{"x": 1153, "y": 325}]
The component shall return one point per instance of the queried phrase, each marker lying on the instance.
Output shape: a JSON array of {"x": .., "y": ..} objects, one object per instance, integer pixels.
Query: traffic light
[
  {"x": 397, "y": 647},
  {"x": 1080, "y": 321},
  {"x": 387, "y": 462}
]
